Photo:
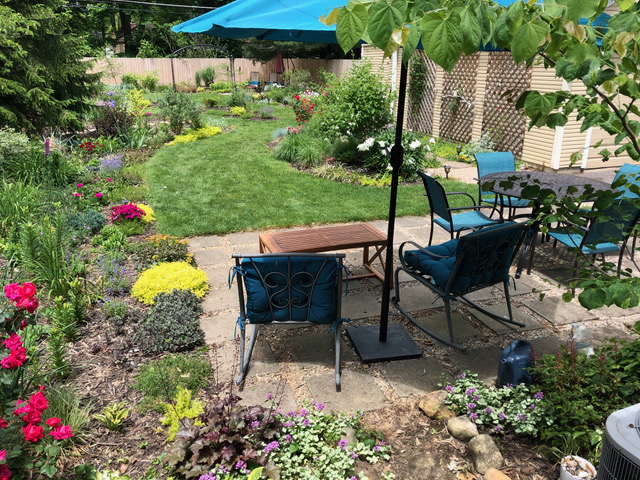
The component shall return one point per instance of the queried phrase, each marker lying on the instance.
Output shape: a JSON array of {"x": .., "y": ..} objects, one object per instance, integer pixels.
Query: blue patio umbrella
[{"x": 298, "y": 20}]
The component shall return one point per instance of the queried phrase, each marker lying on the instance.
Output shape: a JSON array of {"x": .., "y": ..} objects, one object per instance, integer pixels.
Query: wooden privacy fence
[{"x": 185, "y": 68}]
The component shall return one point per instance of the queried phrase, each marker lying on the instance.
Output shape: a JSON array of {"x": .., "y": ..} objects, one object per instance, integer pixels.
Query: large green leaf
[
  {"x": 385, "y": 16},
  {"x": 528, "y": 39},
  {"x": 591, "y": 298},
  {"x": 536, "y": 105},
  {"x": 577, "y": 9},
  {"x": 624, "y": 5},
  {"x": 351, "y": 26},
  {"x": 411, "y": 43},
  {"x": 581, "y": 52},
  {"x": 471, "y": 32},
  {"x": 625, "y": 22},
  {"x": 515, "y": 14},
  {"x": 442, "y": 39}
]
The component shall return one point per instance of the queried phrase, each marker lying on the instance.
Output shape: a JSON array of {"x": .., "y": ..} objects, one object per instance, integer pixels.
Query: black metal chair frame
[
  {"x": 446, "y": 294},
  {"x": 243, "y": 319}
]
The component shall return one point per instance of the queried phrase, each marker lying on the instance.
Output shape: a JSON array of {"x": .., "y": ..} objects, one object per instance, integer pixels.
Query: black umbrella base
[{"x": 399, "y": 344}]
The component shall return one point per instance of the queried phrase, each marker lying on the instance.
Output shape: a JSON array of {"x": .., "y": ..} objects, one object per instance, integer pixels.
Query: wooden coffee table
[{"x": 327, "y": 239}]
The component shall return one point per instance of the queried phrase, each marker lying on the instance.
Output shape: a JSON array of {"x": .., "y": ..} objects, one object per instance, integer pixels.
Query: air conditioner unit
[{"x": 620, "y": 459}]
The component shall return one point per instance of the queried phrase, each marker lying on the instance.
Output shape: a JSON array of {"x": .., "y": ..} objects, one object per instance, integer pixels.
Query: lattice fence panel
[
  {"x": 501, "y": 120},
  {"x": 458, "y": 93},
  {"x": 420, "y": 117}
]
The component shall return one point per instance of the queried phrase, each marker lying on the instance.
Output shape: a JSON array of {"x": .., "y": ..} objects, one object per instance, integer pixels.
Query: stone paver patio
[{"x": 299, "y": 362}]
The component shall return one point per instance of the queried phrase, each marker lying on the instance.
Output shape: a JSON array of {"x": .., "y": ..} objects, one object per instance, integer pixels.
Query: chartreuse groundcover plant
[
  {"x": 605, "y": 60},
  {"x": 166, "y": 277}
]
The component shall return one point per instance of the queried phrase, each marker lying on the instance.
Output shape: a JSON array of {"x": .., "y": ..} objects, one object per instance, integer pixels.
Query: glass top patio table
[{"x": 513, "y": 183}]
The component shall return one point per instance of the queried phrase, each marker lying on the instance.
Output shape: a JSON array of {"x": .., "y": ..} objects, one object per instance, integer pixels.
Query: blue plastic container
[{"x": 516, "y": 359}]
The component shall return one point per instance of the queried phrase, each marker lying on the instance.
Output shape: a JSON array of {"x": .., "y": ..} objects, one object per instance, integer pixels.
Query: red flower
[
  {"x": 53, "y": 422},
  {"x": 23, "y": 409},
  {"x": 32, "y": 433},
  {"x": 3, "y": 423},
  {"x": 32, "y": 417},
  {"x": 62, "y": 432},
  {"x": 38, "y": 401},
  {"x": 13, "y": 342},
  {"x": 15, "y": 359},
  {"x": 28, "y": 304},
  {"x": 3, "y": 454},
  {"x": 27, "y": 290},
  {"x": 5, "y": 473},
  {"x": 12, "y": 292}
]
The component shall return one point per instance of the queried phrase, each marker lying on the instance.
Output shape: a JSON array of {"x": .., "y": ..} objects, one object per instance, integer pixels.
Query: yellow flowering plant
[{"x": 166, "y": 277}]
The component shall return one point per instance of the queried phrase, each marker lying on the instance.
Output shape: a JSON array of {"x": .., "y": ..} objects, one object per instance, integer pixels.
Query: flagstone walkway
[{"x": 298, "y": 361}]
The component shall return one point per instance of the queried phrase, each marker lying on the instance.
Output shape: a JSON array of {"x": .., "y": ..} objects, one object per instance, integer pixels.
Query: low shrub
[
  {"x": 173, "y": 324},
  {"x": 197, "y": 134},
  {"x": 210, "y": 102},
  {"x": 237, "y": 111},
  {"x": 87, "y": 223},
  {"x": 111, "y": 239},
  {"x": 182, "y": 407},
  {"x": 302, "y": 149},
  {"x": 160, "y": 380},
  {"x": 206, "y": 76},
  {"x": 159, "y": 249},
  {"x": 116, "y": 278},
  {"x": 166, "y": 277},
  {"x": 237, "y": 98},
  {"x": 179, "y": 108},
  {"x": 222, "y": 86},
  {"x": 13, "y": 146}
]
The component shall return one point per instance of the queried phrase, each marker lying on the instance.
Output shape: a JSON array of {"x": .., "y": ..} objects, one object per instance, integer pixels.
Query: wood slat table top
[{"x": 324, "y": 239}]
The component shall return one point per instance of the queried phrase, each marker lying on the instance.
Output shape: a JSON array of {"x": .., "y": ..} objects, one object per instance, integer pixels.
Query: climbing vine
[{"x": 417, "y": 79}]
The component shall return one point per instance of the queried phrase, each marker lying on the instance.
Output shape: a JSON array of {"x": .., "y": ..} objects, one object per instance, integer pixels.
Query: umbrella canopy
[{"x": 281, "y": 20}]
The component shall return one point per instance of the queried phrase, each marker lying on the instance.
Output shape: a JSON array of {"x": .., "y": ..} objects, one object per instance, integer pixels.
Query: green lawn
[{"x": 230, "y": 183}]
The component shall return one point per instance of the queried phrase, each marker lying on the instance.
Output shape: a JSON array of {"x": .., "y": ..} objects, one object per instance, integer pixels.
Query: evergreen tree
[{"x": 43, "y": 78}]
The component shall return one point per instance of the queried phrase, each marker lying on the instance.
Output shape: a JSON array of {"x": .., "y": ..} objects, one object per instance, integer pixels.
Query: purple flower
[
  {"x": 502, "y": 416},
  {"x": 304, "y": 412},
  {"x": 271, "y": 447},
  {"x": 111, "y": 94},
  {"x": 473, "y": 416},
  {"x": 343, "y": 444},
  {"x": 241, "y": 465},
  {"x": 223, "y": 469},
  {"x": 471, "y": 405},
  {"x": 306, "y": 422},
  {"x": 462, "y": 376},
  {"x": 509, "y": 385},
  {"x": 488, "y": 410},
  {"x": 47, "y": 147},
  {"x": 112, "y": 103},
  {"x": 255, "y": 424},
  {"x": 497, "y": 428},
  {"x": 532, "y": 406},
  {"x": 269, "y": 396},
  {"x": 476, "y": 398},
  {"x": 287, "y": 438},
  {"x": 288, "y": 424},
  {"x": 470, "y": 391},
  {"x": 521, "y": 417},
  {"x": 353, "y": 455},
  {"x": 376, "y": 448},
  {"x": 320, "y": 406},
  {"x": 539, "y": 396},
  {"x": 450, "y": 389},
  {"x": 291, "y": 414}
]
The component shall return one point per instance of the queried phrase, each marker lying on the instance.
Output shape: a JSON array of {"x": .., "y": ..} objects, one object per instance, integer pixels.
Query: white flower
[
  {"x": 389, "y": 167},
  {"x": 382, "y": 143},
  {"x": 410, "y": 161},
  {"x": 415, "y": 144},
  {"x": 366, "y": 145},
  {"x": 432, "y": 140},
  {"x": 428, "y": 148}
]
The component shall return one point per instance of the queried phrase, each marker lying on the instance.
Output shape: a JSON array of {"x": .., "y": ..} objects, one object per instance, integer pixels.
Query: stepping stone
[
  {"x": 526, "y": 284},
  {"x": 603, "y": 334},
  {"x": 546, "y": 345},
  {"x": 413, "y": 377},
  {"x": 361, "y": 305},
  {"x": 200, "y": 243},
  {"x": 218, "y": 276},
  {"x": 219, "y": 329},
  {"x": 243, "y": 238},
  {"x": 213, "y": 256},
  {"x": 250, "y": 249},
  {"x": 555, "y": 310},
  {"x": 484, "y": 361},
  {"x": 409, "y": 222},
  {"x": 417, "y": 298},
  {"x": 313, "y": 349},
  {"x": 222, "y": 298},
  {"x": 500, "y": 327},
  {"x": 616, "y": 311},
  {"x": 359, "y": 392},
  {"x": 257, "y": 395},
  {"x": 228, "y": 363},
  {"x": 463, "y": 331}
]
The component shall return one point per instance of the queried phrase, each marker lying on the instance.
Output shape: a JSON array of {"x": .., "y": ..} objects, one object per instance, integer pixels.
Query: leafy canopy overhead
[{"x": 565, "y": 35}]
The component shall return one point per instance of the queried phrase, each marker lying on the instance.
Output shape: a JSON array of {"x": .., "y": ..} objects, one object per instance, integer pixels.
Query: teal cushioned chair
[
  {"x": 288, "y": 289},
  {"x": 461, "y": 266}
]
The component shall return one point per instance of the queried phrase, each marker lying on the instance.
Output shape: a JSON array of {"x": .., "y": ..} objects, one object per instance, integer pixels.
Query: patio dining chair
[
  {"x": 288, "y": 289},
  {"x": 494, "y": 162},
  {"x": 454, "y": 223},
  {"x": 461, "y": 266},
  {"x": 606, "y": 233}
]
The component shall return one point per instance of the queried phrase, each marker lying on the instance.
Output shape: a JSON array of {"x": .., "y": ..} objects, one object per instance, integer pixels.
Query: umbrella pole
[{"x": 380, "y": 343}]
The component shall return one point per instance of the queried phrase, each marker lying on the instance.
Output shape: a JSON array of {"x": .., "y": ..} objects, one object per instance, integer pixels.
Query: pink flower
[
  {"x": 3, "y": 423},
  {"x": 53, "y": 422},
  {"x": 12, "y": 292},
  {"x": 3, "y": 454},
  {"x": 38, "y": 401},
  {"x": 62, "y": 432},
  {"x": 32, "y": 433},
  {"x": 13, "y": 342},
  {"x": 80, "y": 185},
  {"x": 28, "y": 304},
  {"x": 76, "y": 194},
  {"x": 98, "y": 195},
  {"x": 109, "y": 179}
]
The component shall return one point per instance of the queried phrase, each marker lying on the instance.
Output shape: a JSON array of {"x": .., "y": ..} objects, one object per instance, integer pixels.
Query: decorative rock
[
  {"x": 349, "y": 434},
  {"x": 493, "y": 474},
  {"x": 485, "y": 453},
  {"x": 462, "y": 428},
  {"x": 432, "y": 404},
  {"x": 430, "y": 463}
]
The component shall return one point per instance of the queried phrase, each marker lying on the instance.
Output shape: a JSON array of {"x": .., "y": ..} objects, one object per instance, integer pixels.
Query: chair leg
[
  {"x": 244, "y": 360},
  {"x": 431, "y": 232},
  {"x": 493, "y": 315},
  {"x": 429, "y": 332},
  {"x": 337, "y": 343}
]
